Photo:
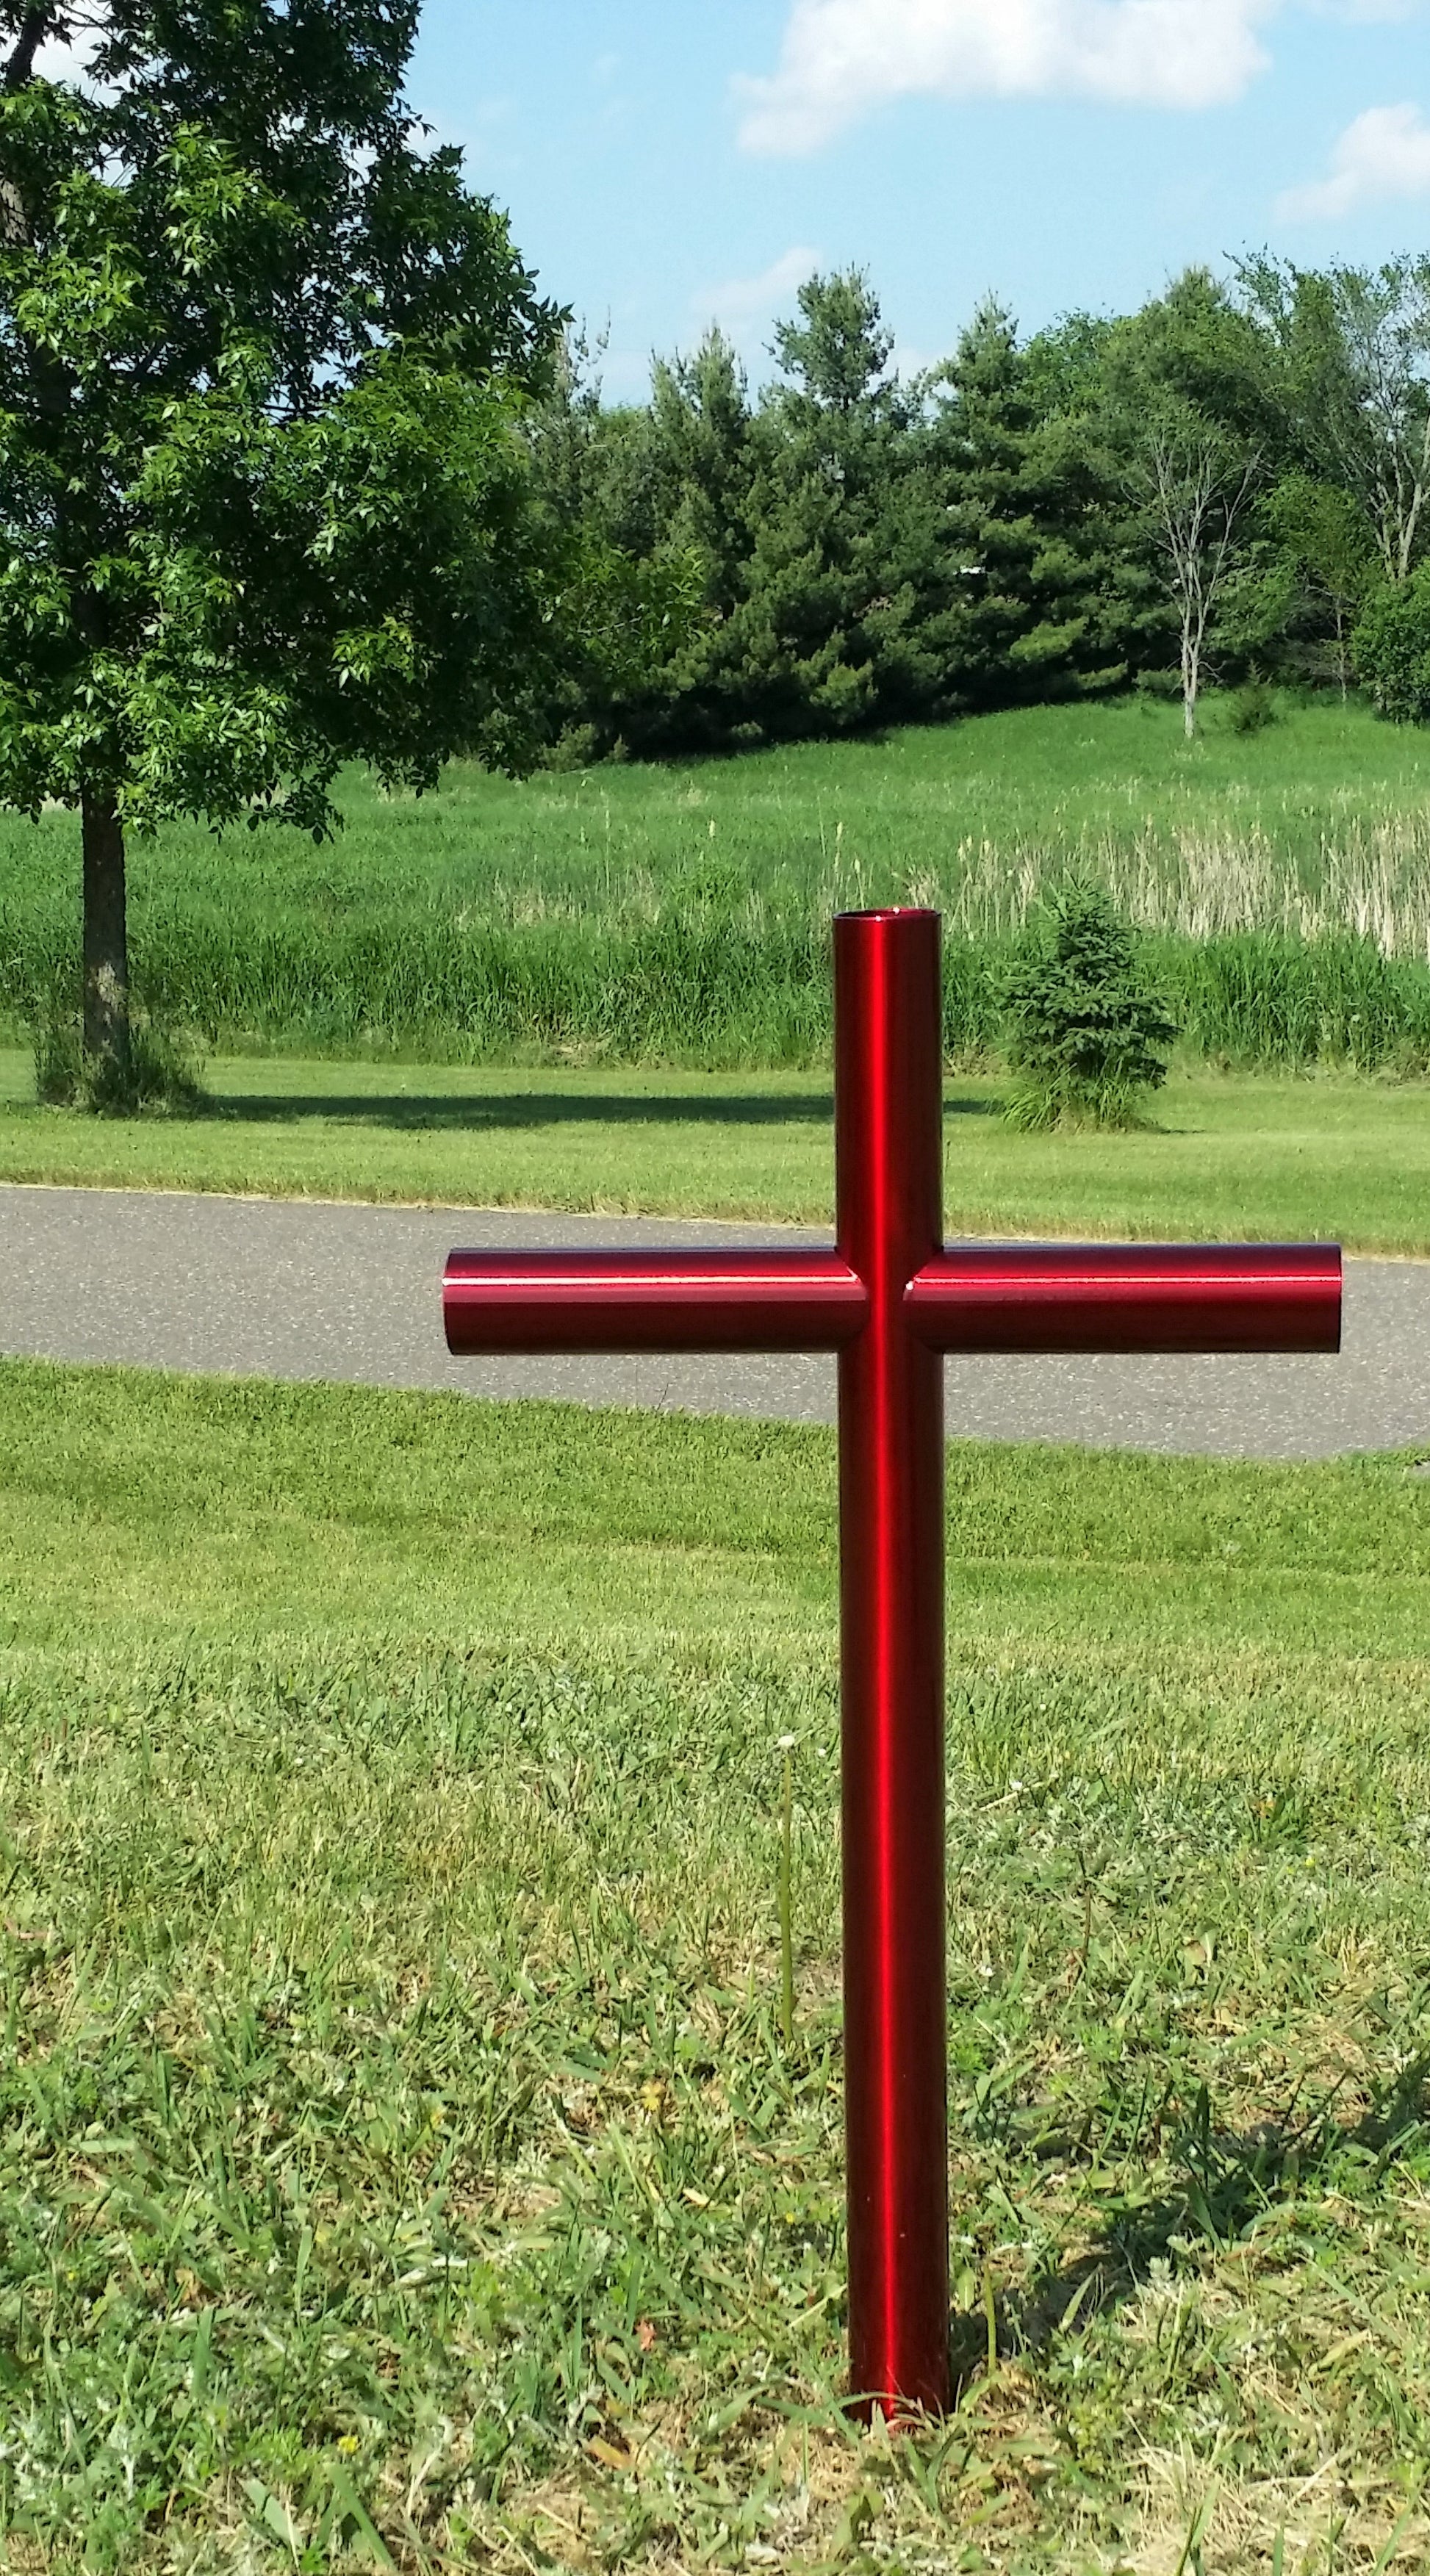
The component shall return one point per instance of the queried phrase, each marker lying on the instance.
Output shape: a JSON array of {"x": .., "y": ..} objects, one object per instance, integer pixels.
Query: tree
[
  {"x": 1086, "y": 1037},
  {"x": 816, "y": 602},
  {"x": 1352, "y": 380},
  {"x": 265, "y": 504},
  {"x": 829, "y": 455},
  {"x": 703, "y": 448},
  {"x": 1024, "y": 525},
  {"x": 1197, "y": 485},
  {"x": 840, "y": 349},
  {"x": 1392, "y": 649},
  {"x": 1188, "y": 410},
  {"x": 1323, "y": 536}
]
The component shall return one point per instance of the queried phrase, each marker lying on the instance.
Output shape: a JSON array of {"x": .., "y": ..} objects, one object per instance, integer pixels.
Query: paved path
[{"x": 280, "y": 1288}]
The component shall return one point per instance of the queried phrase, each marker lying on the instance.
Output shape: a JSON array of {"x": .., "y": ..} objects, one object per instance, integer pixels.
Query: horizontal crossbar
[
  {"x": 1103, "y": 1297},
  {"x": 1048, "y": 1298},
  {"x": 651, "y": 1301}
]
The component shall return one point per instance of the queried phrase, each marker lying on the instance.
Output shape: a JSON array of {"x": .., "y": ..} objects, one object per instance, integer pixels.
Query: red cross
[{"x": 891, "y": 1300}]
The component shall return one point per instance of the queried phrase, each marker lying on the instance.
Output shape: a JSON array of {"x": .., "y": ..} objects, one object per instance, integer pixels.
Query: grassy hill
[{"x": 680, "y": 913}]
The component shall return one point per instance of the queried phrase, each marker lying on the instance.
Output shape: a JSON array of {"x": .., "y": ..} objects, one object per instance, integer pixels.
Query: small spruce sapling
[{"x": 1086, "y": 1038}]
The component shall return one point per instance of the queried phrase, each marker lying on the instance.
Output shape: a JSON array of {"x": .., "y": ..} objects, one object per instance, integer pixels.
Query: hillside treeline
[{"x": 1231, "y": 485}]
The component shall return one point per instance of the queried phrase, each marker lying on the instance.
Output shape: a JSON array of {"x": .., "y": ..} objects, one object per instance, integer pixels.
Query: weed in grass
[{"x": 786, "y": 1898}]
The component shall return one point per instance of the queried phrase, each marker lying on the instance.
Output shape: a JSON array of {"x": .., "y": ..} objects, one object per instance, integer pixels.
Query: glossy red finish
[
  {"x": 888, "y": 1112},
  {"x": 1096, "y": 1297},
  {"x": 891, "y": 1301},
  {"x": 664, "y": 1301}
]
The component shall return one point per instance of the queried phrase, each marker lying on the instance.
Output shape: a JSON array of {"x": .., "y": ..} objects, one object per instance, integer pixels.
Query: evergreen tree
[
  {"x": 1023, "y": 532},
  {"x": 598, "y": 470},
  {"x": 1086, "y": 1036},
  {"x": 830, "y": 452},
  {"x": 704, "y": 447},
  {"x": 1113, "y": 500}
]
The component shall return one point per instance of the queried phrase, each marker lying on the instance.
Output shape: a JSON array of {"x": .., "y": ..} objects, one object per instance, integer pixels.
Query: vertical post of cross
[{"x": 889, "y": 1164}]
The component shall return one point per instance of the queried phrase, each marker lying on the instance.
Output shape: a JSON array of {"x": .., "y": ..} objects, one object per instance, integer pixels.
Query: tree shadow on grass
[
  {"x": 1228, "y": 2182},
  {"x": 476, "y": 1113}
]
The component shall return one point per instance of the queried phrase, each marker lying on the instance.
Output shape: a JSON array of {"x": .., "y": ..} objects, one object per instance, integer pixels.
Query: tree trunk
[
  {"x": 106, "y": 932},
  {"x": 1192, "y": 632}
]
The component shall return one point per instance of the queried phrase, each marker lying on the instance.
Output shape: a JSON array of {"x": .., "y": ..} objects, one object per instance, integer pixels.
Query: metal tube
[
  {"x": 671, "y": 1300},
  {"x": 1105, "y": 1297},
  {"x": 888, "y": 1128}
]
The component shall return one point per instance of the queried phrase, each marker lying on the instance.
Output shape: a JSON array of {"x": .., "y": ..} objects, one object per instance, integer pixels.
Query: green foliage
[
  {"x": 398, "y": 2148},
  {"x": 1034, "y": 587},
  {"x": 1325, "y": 568},
  {"x": 1254, "y": 708},
  {"x": 1211, "y": 484},
  {"x": 871, "y": 551},
  {"x": 838, "y": 352},
  {"x": 261, "y": 367},
  {"x": 1086, "y": 1038},
  {"x": 1186, "y": 421},
  {"x": 266, "y": 500},
  {"x": 1392, "y": 649},
  {"x": 1346, "y": 368}
]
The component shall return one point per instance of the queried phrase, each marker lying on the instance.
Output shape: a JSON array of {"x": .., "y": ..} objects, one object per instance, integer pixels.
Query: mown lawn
[
  {"x": 399, "y": 2160},
  {"x": 1235, "y": 1157}
]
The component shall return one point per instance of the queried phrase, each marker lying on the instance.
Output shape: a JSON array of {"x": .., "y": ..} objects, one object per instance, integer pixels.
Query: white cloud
[
  {"x": 841, "y": 57},
  {"x": 1385, "y": 153},
  {"x": 744, "y": 302}
]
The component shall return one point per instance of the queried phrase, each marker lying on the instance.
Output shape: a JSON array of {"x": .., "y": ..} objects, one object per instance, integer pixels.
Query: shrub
[
  {"x": 1086, "y": 1038},
  {"x": 1254, "y": 708},
  {"x": 1392, "y": 650}
]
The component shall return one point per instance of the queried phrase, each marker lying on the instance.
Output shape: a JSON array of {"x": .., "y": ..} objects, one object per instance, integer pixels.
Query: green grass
[
  {"x": 399, "y": 2159},
  {"x": 681, "y": 913},
  {"x": 1235, "y": 1157}
]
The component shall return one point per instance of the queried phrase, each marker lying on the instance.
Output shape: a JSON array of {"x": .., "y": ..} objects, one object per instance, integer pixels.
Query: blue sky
[{"x": 670, "y": 161}]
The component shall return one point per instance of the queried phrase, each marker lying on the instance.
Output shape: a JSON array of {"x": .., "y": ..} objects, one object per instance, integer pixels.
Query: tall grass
[
  {"x": 696, "y": 985},
  {"x": 682, "y": 914}
]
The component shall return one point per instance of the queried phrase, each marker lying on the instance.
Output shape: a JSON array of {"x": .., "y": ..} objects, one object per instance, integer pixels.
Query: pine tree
[
  {"x": 1027, "y": 522},
  {"x": 1086, "y": 1038}
]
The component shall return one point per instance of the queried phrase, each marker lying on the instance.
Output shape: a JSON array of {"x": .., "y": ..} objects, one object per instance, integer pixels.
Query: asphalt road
[{"x": 286, "y": 1289}]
